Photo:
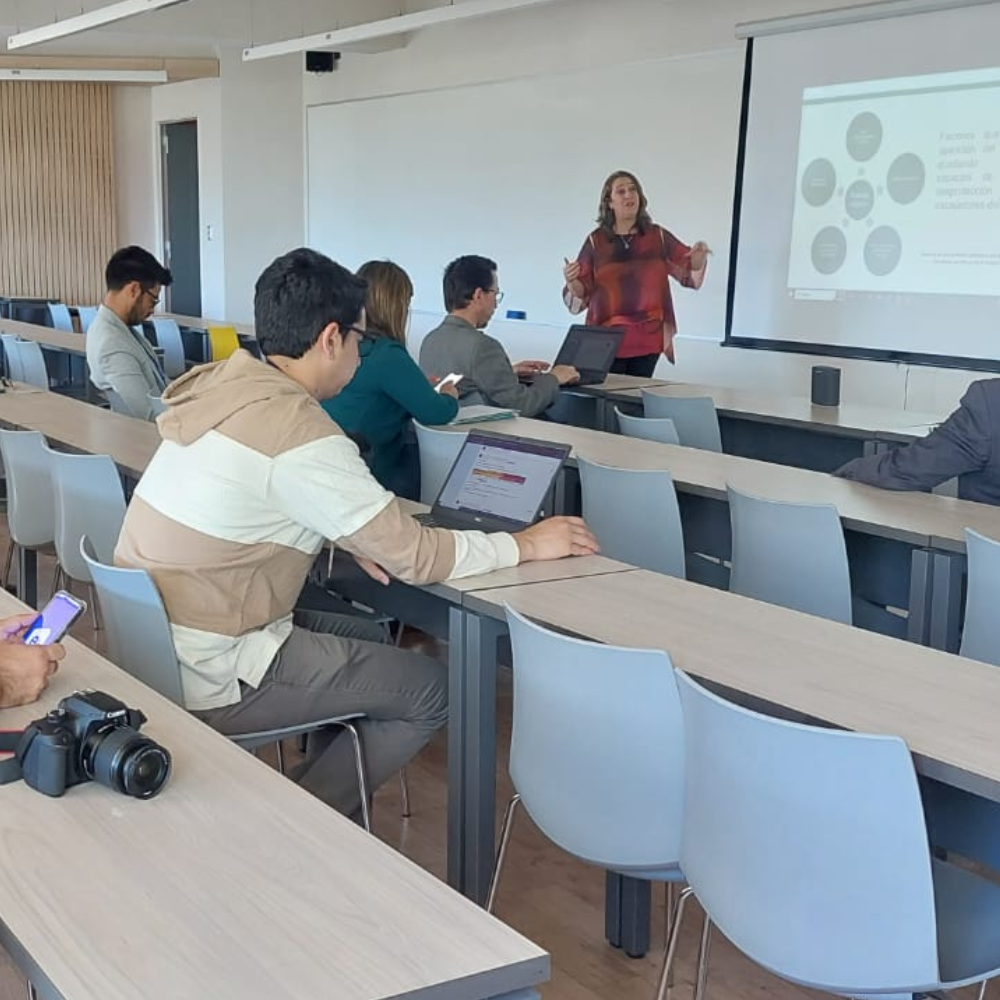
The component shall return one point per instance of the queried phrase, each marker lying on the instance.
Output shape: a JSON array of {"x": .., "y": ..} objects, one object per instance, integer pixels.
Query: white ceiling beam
[
  {"x": 147, "y": 76},
  {"x": 86, "y": 21},
  {"x": 343, "y": 37}
]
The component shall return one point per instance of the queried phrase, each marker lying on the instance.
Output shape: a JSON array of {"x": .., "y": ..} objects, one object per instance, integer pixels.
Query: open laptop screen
[
  {"x": 501, "y": 478},
  {"x": 590, "y": 348}
]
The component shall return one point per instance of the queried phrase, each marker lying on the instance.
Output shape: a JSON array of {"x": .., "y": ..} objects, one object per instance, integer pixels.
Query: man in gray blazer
[
  {"x": 120, "y": 358},
  {"x": 458, "y": 345},
  {"x": 966, "y": 445}
]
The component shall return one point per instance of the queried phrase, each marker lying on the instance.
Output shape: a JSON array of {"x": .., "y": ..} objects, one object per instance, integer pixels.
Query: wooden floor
[{"x": 551, "y": 898}]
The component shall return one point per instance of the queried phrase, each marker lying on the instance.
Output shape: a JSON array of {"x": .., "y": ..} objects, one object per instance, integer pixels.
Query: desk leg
[
  {"x": 921, "y": 594},
  {"x": 472, "y": 667},
  {"x": 946, "y": 600},
  {"x": 627, "y": 913},
  {"x": 27, "y": 576}
]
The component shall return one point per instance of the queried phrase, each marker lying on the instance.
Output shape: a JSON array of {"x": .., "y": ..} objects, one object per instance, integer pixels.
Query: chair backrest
[
  {"x": 694, "y": 417},
  {"x": 807, "y": 847},
  {"x": 31, "y": 516},
  {"x": 156, "y": 402},
  {"x": 981, "y": 633},
  {"x": 33, "y": 367},
  {"x": 12, "y": 355},
  {"x": 87, "y": 315},
  {"x": 660, "y": 429},
  {"x": 168, "y": 338},
  {"x": 438, "y": 451},
  {"x": 89, "y": 500},
  {"x": 792, "y": 554},
  {"x": 596, "y": 747},
  {"x": 139, "y": 637},
  {"x": 634, "y": 514},
  {"x": 59, "y": 317},
  {"x": 223, "y": 341}
]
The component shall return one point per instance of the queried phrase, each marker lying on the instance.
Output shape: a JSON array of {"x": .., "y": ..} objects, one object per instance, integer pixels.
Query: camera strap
[{"x": 10, "y": 768}]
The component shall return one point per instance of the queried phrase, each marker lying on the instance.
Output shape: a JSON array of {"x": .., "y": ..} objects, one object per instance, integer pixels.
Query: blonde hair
[
  {"x": 387, "y": 301},
  {"x": 605, "y": 213}
]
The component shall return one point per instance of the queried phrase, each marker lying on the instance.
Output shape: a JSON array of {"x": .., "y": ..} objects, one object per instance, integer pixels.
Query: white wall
[{"x": 131, "y": 108}]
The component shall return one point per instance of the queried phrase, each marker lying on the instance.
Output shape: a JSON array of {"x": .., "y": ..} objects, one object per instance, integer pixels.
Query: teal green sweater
[{"x": 388, "y": 390}]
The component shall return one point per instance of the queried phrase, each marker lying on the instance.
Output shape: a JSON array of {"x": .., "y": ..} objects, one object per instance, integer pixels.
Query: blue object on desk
[{"x": 516, "y": 314}]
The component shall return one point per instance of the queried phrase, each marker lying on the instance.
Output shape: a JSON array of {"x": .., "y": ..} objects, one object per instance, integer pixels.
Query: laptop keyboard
[{"x": 427, "y": 520}]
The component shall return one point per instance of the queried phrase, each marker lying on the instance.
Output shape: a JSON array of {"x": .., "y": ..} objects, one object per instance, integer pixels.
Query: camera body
[{"x": 92, "y": 736}]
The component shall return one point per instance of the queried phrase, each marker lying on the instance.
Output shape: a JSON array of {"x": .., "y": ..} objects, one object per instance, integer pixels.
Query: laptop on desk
[
  {"x": 498, "y": 483},
  {"x": 591, "y": 350}
]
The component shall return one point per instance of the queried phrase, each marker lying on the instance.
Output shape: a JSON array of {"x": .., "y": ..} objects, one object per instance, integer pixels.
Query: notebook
[
  {"x": 498, "y": 483},
  {"x": 477, "y": 413}
]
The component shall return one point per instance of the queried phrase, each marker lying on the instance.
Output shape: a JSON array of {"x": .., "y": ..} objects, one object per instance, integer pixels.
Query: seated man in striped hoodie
[{"x": 251, "y": 478}]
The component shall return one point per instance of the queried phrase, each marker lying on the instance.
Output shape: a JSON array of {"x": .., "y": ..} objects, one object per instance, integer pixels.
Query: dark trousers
[{"x": 642, "y": 365}]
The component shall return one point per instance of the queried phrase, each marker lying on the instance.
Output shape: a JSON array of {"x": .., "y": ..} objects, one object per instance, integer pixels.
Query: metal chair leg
[
  {"x": 32, "y": 994},
  {"x": 7, "y": 563},
  {"x": 359, "y": 763},
  {"x": 280, "y": 753},
  {"x": 982, "y": 989},
  {"x": 56, "y": 580},
  {"x": 667, "y": 972},
  {"x": 404, "y": 793},
  {"x": 92, "y": 594},
  {"x": 703, "y": 949},
  {"x": 508, "y": 823}
]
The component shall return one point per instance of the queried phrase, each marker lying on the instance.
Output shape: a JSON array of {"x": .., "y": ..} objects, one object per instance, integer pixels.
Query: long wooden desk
[
  {"x": 56, "y": 340},
  {"x": 231, "y": 883},
  {"x": 202, "y": 323},
  {"x": 790, "y": 429}
]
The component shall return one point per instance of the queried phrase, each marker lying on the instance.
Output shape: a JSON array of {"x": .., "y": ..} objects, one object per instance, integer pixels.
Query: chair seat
[
  {"x": 968, "y": 920},
  {"x": 672, "y": 873}
]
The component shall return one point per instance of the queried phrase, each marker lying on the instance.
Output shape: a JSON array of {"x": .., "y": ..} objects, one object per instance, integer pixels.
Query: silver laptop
[{"x": 498, "y": 483}]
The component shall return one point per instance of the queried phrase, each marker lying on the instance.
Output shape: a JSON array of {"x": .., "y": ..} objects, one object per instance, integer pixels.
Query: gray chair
[
  {"x": 59, "y": 317},
  {"x": 694, "y": 417},
  {"x": 981, "y": 632},
  {"x": 660, "y": 429},
  {"x": 141, "y": 643},
  {"x": 12, "y": 356},
  {"x": 792, "y": 554},
  {"x": 634, "y": 515},
  {"x": 596, "y": 755},
  {"x": 33, "y": 367},
  {"x": 438, "y": 451},
  {"x": 168, "y": 339},
  {"x": 31, "y": 518},
  {"x": 89, "y": 500}
]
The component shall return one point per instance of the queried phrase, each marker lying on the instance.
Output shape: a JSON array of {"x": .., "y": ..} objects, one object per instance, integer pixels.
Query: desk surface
[
  {"x": 230, "y": 883},
  {"x": 82, "y": 427},
  {"x": 59, "y": 340},
  {"x": 203, "y": 323},
  {"x": 914, "y": 518},
  {"x": 945, "y": 707},
  {"x": 617, "y": 384},
  {"x": 799, "y": 411}
]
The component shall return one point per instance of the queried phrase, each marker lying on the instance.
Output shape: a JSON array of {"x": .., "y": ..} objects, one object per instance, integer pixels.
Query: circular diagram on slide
[{"x": 854, "y": 186}]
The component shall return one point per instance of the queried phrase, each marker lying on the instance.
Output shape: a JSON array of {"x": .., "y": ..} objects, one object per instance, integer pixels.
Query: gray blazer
[
  {"x": 123, "y": 360},
  {"x": 966, "y": 445},
  {"x": 457, "y": 346}
]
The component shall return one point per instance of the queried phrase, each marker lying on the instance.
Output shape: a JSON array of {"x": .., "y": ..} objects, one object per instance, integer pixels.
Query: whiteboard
[{"x": 513, "y": 171}]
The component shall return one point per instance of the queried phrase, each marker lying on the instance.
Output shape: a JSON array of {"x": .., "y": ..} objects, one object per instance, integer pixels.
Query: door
[{"x": 181, "y": 220}]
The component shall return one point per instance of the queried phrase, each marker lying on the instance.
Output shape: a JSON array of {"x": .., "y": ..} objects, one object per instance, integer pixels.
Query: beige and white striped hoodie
[{"x": 251, "y": 478}]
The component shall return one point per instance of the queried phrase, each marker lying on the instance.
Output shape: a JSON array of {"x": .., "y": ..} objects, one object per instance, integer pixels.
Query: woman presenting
[{"x": 621, "y": 276}]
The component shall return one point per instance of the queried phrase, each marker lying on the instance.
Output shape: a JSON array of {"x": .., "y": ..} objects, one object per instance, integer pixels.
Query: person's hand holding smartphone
[
  {"x": 451, "y": 381},
  {"x": 54, "y": 620}
]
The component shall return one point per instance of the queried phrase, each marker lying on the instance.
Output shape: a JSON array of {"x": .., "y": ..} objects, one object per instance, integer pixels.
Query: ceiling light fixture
[
  {"x": 86, "y": 75},
  {"x": 389, "y": 26},
  {"x": 86, "y": 21}
]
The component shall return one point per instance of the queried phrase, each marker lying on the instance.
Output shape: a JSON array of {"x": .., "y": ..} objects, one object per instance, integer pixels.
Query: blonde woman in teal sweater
[{"x": 389, "y": 391}]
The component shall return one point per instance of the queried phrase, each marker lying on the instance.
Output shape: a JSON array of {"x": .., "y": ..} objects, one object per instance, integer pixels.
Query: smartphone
[
  {"x": 450, "y": 379},
  {"x": 55, "y": 619}
]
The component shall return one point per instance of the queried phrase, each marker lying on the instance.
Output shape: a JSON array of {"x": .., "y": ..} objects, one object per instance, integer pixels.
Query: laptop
[
  {"x": 591, "y": 350},
  {"x": 498, "y": 483}
]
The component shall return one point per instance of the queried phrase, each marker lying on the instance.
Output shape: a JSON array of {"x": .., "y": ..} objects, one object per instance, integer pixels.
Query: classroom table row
[{"x": 232, "y": 882}]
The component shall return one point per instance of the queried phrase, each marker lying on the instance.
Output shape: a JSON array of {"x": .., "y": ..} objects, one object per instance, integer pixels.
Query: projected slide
[{"x": 898, "y": 188}]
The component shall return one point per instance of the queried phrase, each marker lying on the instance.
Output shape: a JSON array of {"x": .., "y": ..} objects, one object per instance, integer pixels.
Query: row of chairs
[
  {"x": 791, "y": 554},
  {"x": 807, "y": 847}
]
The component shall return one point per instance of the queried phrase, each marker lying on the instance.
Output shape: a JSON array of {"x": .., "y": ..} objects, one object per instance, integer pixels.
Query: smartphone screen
[{"x": 54, "y": 619}]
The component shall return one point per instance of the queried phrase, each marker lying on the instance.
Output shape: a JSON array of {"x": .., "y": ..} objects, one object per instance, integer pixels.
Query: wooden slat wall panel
[{"x": 57, "y": 206}]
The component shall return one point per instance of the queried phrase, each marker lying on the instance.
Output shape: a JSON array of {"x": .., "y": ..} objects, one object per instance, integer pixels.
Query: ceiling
[{"x": 195, "y": 28}]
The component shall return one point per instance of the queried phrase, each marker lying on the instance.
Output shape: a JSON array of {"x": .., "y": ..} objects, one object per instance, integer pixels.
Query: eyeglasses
[
  {"x": 154, "y": 299},
  {"x": 498, "y": 294},
  {"x": 366, "y": 341}
]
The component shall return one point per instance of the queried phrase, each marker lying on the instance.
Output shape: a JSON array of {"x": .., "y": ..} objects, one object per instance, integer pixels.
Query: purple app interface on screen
[{"x": 53, "y": 620}]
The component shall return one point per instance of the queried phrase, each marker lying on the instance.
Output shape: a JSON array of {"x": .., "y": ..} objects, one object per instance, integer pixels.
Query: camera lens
[{"x": 129, "y": 763}]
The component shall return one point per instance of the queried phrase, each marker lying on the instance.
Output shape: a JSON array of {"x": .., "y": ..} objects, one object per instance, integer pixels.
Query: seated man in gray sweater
[
  {"x": 459, "y": 345},
  {"x": 966, "y": 445}
]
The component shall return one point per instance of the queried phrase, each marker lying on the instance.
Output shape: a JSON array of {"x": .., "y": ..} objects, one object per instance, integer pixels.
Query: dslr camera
[{"x": 92, "y": 737}]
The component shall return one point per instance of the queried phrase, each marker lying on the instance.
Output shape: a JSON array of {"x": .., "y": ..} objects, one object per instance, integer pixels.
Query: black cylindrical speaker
[{"x": 825, "y": 385}]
